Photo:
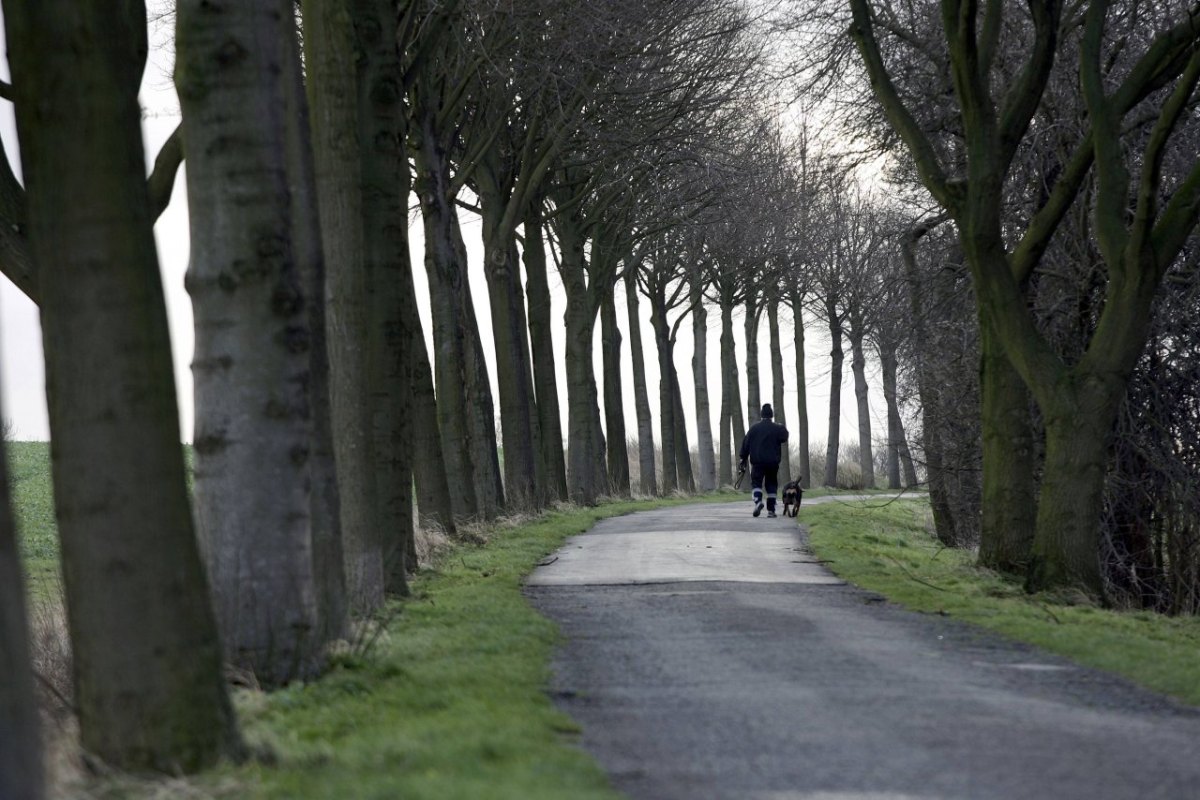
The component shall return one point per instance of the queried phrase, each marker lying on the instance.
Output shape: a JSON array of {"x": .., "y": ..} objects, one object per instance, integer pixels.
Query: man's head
[{"x": 767, "y": 412}]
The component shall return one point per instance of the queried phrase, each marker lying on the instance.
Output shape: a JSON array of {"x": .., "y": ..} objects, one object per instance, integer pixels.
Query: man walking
[{"x": 761, "y": 446}]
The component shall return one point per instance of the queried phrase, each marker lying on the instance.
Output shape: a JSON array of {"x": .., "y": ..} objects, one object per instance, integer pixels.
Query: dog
[{"x": 792, "y": 493}]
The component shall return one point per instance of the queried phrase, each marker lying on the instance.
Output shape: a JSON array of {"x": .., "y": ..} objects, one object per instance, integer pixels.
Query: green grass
[
  {"x": 450, "y": 703},
  {"x": 33, "y": 507},
  {"x": 888, "y": 548}
]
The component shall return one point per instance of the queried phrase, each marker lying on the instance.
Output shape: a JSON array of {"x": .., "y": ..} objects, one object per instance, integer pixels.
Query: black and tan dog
[{"x": 792, "y": 494}]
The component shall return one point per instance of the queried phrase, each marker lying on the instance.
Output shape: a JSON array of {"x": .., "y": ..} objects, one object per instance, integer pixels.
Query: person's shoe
[
  {"x": 770, "y": 513},
  {"x": 758, "y": 507}
]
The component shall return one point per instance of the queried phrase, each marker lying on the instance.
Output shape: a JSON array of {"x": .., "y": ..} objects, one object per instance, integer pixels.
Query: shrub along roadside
[{"x": 887, "y": 547}]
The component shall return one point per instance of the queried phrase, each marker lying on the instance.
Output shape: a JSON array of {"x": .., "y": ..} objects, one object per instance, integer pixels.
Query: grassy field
[
  {"x": 889, "y": 548},
  {"x": 33, "y": 505}
]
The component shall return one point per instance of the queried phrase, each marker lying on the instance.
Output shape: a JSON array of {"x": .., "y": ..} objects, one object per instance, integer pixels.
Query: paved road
[{"x": 779, "y": 682}]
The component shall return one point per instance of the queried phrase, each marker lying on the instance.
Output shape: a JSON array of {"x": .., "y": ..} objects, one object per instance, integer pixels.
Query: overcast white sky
[{"x": 20, "y": 337}]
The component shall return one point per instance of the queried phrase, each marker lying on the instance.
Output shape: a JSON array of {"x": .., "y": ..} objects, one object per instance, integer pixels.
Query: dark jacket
[{"x": 762, "y": 442}]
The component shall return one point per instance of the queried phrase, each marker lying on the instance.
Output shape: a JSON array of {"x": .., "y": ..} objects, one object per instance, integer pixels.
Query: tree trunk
[
  {"x": 584, "y": 484},
  {"x": 777, "y": 383},
  {"x": 648, "y": 482},
  {"x": 683, "y": 453},
  {"x": 730, "y": 398},
  {"x": 666, "y": 395},
  {"x": 946, "y": 523},
  {"x": 385, "y": 189},
  {"x": 1009, "y": 492},
  {"x": 20, "y": 729},
  {"x": 332, "y": 85},
  {"x": 887, "y": 362},
  {"x": 707, "y": 479},
  {"x": 251, "y": 364},
  {"x": 149, "y": 693},
  {"x": 466, "y": 415},
  {"x": 836, "y": 359},
  {"x": 801, "y": 433},
  {"x": 329, "y": 573},
  {"x": 509, "y": 332},
  {"x": 429, "y": 468},
  {"x": 753, "y": 397},
  {"x": 858, "y": 365},
  {"x": 1066, "y": 549},
  {"x": 545, "y": 375},
  {"x": 614, "y": 403}
]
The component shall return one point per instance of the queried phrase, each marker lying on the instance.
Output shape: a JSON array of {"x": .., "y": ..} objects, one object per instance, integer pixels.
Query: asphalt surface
[{"x": 787, "y": 688}]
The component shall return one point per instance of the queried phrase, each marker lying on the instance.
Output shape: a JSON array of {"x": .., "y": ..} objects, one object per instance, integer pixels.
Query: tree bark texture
[
  {"x": 801, "y": 434},
  {"x": 545, "y": 376},
  {"x": 329, "y": 574},
  {"x": 683, "y": 453},
  {"x": 858, "y": 366},
  {"x": 251, "y": 366},
  {"x": 666, "y": 394},
  {"x": 514, "y": 378},
  {"x": 466, "y": 414},
  {"x": 706, "y": 481},
  {"x": 21, "y": 775},
  {"x": 384, "y": 188},
  {"x": 753, "y": 396},
  {"x": 586, "y": 472},
  {"x": 895, "y": 441},
  {"x": 149, "y": 691},
  {"x": 836, "y": 359},
  {"x": 614, "y": 403},
  {"x": 777, "y": 384},
  {"x": 1009, "y": 506},
  {"x": 434, "y": 503},
  {"x": 727, "y": 443},
  {"x": 648, "y": 481}
]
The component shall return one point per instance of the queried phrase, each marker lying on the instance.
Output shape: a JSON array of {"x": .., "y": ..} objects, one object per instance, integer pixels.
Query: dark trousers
[{"x": 764, "y": 476}]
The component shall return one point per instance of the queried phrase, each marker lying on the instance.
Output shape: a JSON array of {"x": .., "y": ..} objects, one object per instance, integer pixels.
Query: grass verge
[
  {"x": 887, "y": 547},
  {"x": 450, "y": 701}
]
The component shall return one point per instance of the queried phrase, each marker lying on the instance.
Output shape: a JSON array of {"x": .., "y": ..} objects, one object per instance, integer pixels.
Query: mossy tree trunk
[
  {"x": 1009, "y": 509},
  {"x": 149, "y": 689},
  {"x": 251, "y": 367},
  {"x": 1138, "y": 234}
]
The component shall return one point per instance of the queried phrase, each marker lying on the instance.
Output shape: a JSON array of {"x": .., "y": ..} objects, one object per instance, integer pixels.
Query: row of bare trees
[{"x": 625, "y": 145}]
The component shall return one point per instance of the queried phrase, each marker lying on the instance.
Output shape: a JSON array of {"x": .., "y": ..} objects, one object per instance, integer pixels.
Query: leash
[{"x": 737, "y": 484}]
